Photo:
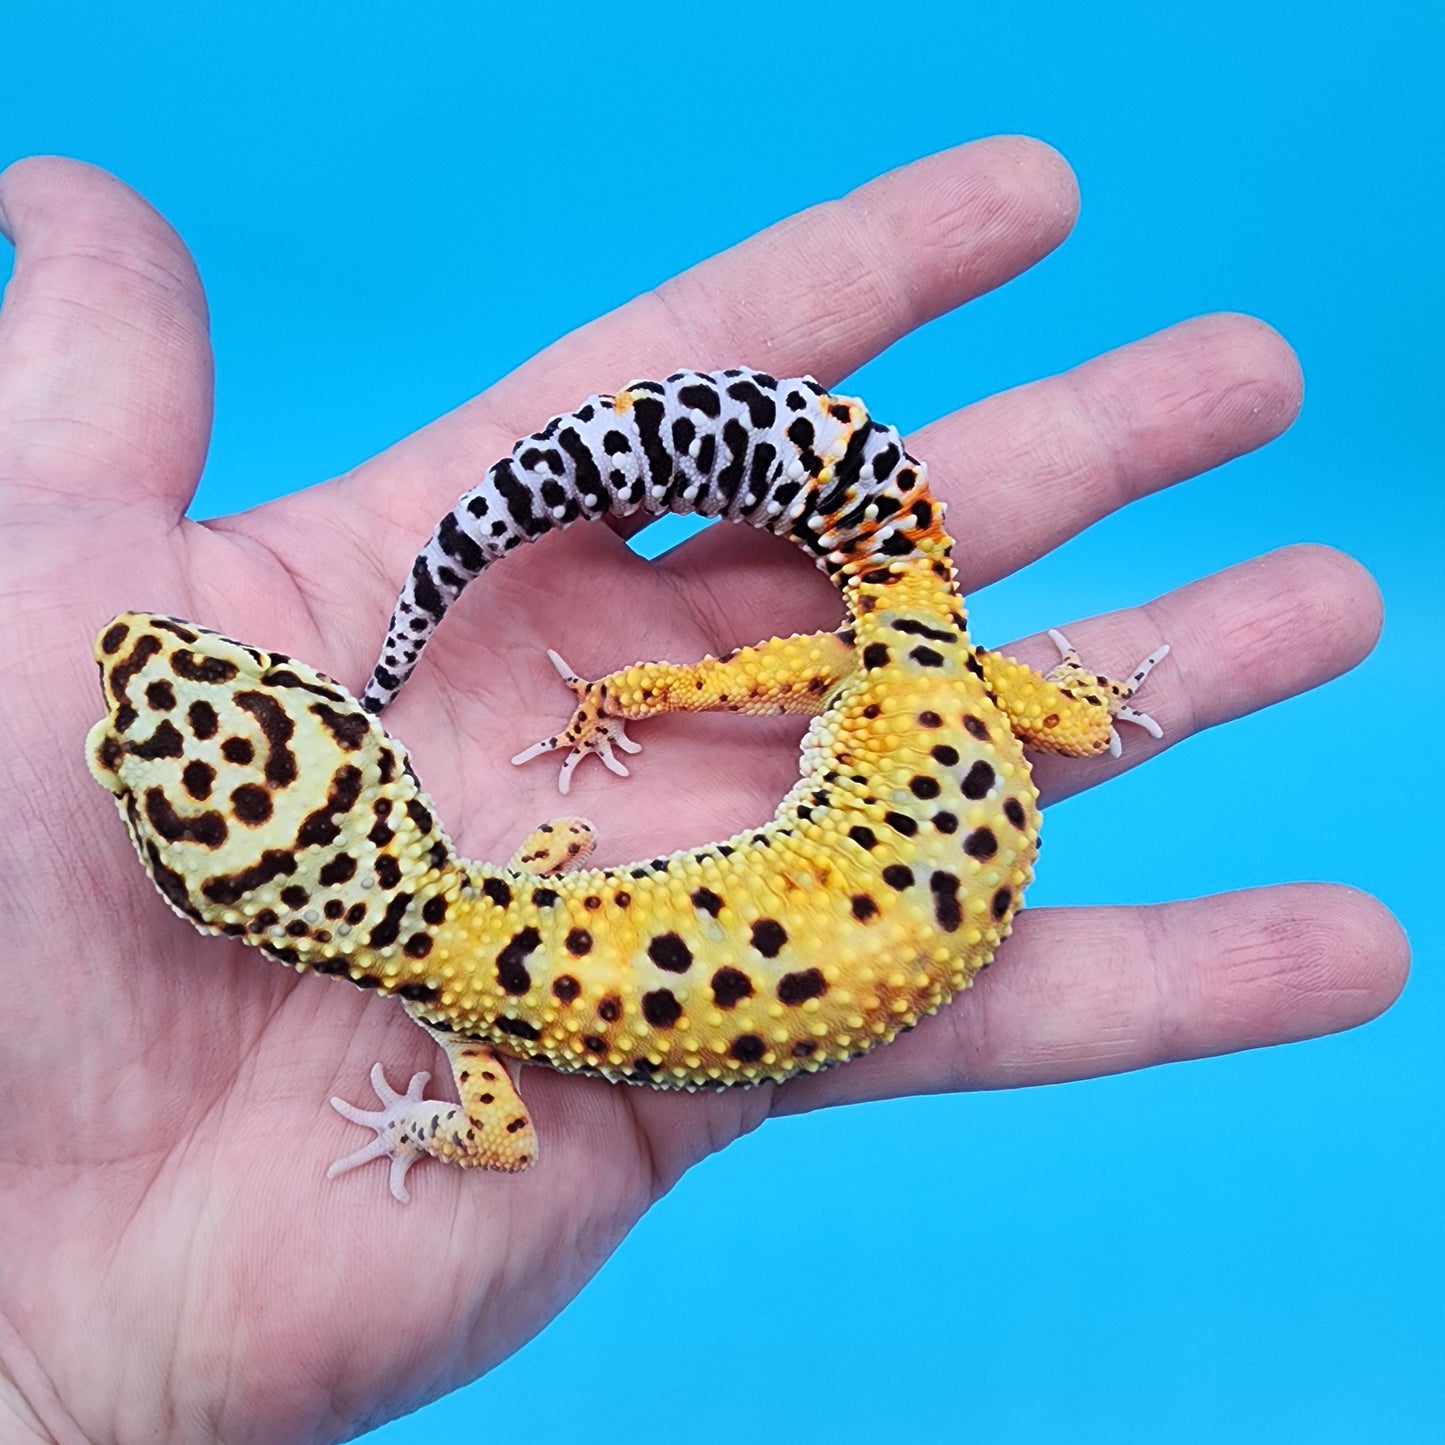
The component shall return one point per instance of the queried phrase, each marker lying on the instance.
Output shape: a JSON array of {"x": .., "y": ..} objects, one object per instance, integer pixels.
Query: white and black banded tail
[{"x": 781, "y": 455}]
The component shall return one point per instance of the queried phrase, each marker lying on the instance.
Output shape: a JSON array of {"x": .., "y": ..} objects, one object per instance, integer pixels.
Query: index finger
[{"x": 819, "y": 292}]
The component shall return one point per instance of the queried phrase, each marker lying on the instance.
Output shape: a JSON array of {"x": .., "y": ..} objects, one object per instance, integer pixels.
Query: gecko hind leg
[
  {"x": 588, "y": 731},
  {"x": 1069, "y": 672}
]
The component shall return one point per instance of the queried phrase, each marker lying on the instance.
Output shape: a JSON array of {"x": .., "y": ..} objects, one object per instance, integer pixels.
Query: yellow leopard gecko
[{"x": 269, "y": 806}]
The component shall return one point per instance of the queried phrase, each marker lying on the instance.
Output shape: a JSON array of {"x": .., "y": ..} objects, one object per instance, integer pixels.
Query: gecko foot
[
  {"x": 589, "y": 731},
  {"x": 1070, "y": 672},
  {"x": 393, "y": 1124}
]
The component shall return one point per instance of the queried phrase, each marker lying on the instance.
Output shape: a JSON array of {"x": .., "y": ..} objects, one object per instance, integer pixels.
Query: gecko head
[{"x": 260, "y": 797}]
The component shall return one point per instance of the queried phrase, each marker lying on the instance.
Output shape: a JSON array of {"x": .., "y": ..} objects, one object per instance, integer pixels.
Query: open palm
[{"x": 174, "y": 1262}]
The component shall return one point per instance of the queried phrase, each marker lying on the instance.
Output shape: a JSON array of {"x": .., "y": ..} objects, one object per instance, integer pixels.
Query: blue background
[{"x": 392, "y": 210}]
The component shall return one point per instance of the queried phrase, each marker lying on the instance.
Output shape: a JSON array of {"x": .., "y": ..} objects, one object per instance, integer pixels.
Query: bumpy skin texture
[{"x": 270, "y": 806}]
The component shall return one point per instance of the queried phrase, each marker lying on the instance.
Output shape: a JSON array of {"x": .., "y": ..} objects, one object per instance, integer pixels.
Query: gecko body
[{"x": 270, "y": 806}]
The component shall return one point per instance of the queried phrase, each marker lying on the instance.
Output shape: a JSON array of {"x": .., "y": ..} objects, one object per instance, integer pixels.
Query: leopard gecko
[{"x": 269, "y": 806}]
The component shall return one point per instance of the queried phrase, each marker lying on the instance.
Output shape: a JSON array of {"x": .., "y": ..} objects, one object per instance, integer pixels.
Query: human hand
[{"x": 175, "y": 1262}]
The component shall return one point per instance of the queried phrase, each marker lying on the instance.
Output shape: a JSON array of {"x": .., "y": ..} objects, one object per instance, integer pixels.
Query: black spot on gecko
[
  {"x": 388, "y": 871},
  {"x": 229, "y": 888},
  {"x": 898, "y": 876},
  {"x": 875, "y": 655},
  {"x": 707, "y": 900},
  {"x": 1013, "y": 810},
  {"x": 114, "y": 636},
  {"x": 926, "y": 657},
  {"x": 277, "y": 728},
  {"x": 863, "y": 837},
  {"x": 669, "y": 952},
  {"x": 196, "y": 667},
  {"x": 660, "y": 1008},
  {"x": 520, "y": 1029},
  {"x": 922, "y": 786},
  {"x": 579, "y": 942},
  {"x": 202, "y": 719},
  {"x": 748, "y": 1049},
  {"x": 340, "y": 869},
  {"x": 975, "y": 727},
  {"x": 197, "y": 778},
  {"x": 701, "y": 398},
  {"x": 497, "y": 890},
  {"x": 417, "y": 946},
  {"x": 208, "y": 829},
  {"x": 981, "y": 844},
  {"x": 946, "y": 755},
  {"x": 864, "y": 907},
  {"x": 120, "y": 675},
  {"x": 348, "y": 728},
  {"x": 1000, "y": 903},
  {"x": 762, "y": 410},
  {"x": 512, "y": 961},
  {"x": 768, "y": 937},
  {"x": 609, "y": 1010},
  {"x": 730, "y": 986},
  {"x": 165, "y": 742},
  {"x": 565, "y": 987},
  {"x": 389, "y": 929},
  {"x": 160, "y": 695},
  {"x": 796, "y": 988},
  {"x": 918, "y": 629},
  {"x": 901, "y": 823},
  {"x": 320, "y": 827},
  {"x": 946, "y": 906},
  {"x": 978, "y": 780},
  {"x": 238, "y": 751},
  {"x": 174, "y": 628},
  {"x": 434, "y": 910}
]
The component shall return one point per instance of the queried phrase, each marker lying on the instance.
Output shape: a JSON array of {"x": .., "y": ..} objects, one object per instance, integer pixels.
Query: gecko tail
[{"x": 781, "y": 455}]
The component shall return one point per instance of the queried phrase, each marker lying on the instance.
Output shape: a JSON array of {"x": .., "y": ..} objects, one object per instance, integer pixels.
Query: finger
[
  {"x": 1026, "y": 470},
  {"x": 1029, "y": 468},
  {"x": 828, "y": 288},
  {"x": 1240, "y": 640},
  {"x": 105, "y": 362},
  {"x": 1079, "y": 992},
  {"x": 820, "y": 292}
]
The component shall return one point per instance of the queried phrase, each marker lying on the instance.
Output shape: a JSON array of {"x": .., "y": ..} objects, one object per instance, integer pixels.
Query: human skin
[{"x": 174, "y": 1263}]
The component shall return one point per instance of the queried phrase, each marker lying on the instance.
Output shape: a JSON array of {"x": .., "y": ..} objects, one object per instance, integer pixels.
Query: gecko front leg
[{"x": 490, "y": 1130}]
